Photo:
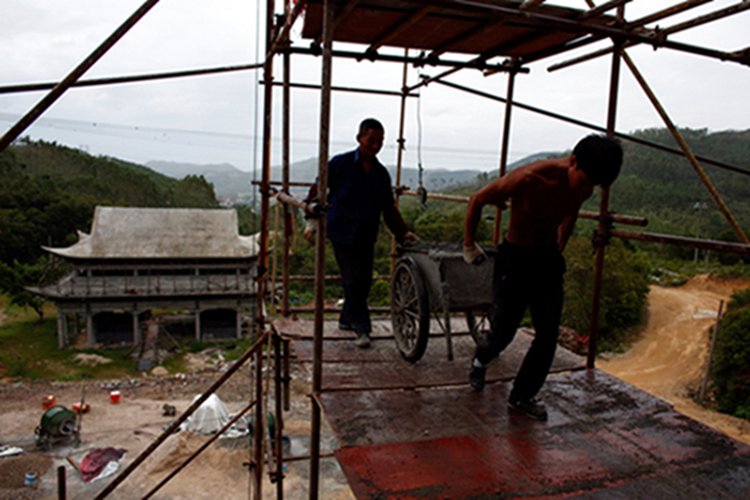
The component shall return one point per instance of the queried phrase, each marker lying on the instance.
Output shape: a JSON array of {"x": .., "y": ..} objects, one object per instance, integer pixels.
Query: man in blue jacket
[{"x": 360, "y": 191}]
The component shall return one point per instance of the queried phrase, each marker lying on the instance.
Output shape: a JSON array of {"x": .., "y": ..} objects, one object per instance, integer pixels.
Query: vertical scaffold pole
[
  {"x": 279, "y": 381},
  {"x": 504, "y": 149},
  {"x": 602, "y": 226},
  {"x": 401, "y": 146},
  {"x": 285, "y": 160},
  {"x": 263, "y": 251},
  {"x": 320, "y": 240}
]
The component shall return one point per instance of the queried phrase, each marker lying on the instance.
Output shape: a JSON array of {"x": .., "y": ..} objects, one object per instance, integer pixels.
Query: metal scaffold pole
[
  {"x": 325, "y": 119},
  {"x": 504, "y": 149},
  {"x": 602, "y": 226}
]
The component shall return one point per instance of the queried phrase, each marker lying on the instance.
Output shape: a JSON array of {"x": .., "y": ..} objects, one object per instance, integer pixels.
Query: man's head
[
  {"x": 600, "y": 158},
  {"x": 370, "y": 137}
]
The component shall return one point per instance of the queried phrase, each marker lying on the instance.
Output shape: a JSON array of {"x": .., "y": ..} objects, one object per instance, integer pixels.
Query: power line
[{"x": 210, "y": 138}]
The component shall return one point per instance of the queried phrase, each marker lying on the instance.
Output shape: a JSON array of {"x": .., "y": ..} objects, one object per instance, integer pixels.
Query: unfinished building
[{"x": 136, "y": 261}]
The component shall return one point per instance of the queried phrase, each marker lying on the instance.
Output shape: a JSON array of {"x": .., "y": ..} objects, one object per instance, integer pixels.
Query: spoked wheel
[{"x": 410, "y": 310}]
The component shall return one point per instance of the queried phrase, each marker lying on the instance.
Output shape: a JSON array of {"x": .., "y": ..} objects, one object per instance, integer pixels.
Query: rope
[{"x": 421, "y": 191}]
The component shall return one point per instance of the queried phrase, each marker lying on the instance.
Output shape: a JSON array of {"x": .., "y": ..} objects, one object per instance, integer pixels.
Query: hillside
[
  {"x": 50, "y": 191},
  {"x": 666, "y": 189}
]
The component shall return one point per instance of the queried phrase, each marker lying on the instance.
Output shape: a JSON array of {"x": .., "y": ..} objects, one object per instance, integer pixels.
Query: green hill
[
  {"x": 665, "y": 188},
  {"x": 50, "y": 191}
]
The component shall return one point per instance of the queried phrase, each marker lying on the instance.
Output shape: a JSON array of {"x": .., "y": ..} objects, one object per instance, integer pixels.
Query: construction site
[{"x": 307, "y": 414}]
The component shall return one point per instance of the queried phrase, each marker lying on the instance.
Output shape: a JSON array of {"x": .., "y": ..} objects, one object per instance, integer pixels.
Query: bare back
[{"x": 545, "y": 197}]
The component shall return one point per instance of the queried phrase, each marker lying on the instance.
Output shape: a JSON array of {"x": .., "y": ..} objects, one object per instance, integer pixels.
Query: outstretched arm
[{"x": 497, "y": 193}]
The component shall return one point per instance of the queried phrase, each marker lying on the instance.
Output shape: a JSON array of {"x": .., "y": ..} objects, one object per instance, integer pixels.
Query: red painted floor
[{"x": 402, "y": 436}]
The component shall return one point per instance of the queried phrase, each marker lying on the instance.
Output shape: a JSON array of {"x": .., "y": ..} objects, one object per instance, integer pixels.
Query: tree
[
  {"x": 624, "y": 290},
  {"x": 15, "y": 277},
  {"x": 730, "y": 365}
]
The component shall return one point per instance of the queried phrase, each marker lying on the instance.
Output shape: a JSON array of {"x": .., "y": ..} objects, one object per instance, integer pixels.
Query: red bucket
[
  {"x": 48, "y": 402},
  {"x": 114, "y": 397}
]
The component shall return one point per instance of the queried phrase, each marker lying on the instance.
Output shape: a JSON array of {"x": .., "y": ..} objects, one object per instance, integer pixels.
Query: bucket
[
  {"x": 114, "y": 397},
  {"x": 29, "y": 479},
  {"x": 48, "y": 402}
]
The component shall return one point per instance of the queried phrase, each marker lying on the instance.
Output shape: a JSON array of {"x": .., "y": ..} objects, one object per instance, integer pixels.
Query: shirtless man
[{"x": 545, "y": 198}]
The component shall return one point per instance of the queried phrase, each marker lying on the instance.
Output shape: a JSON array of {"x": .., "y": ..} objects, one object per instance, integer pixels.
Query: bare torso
[{"x": 545, "y": 197}]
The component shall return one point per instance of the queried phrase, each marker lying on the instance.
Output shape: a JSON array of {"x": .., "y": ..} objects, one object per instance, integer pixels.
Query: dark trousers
[
  {"x": 533, "y": 278},
  {"x": 355, "y": 264}
]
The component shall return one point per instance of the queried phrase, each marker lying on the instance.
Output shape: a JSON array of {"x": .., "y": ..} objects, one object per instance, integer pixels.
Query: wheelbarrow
[{"x": 433, "y": 279}]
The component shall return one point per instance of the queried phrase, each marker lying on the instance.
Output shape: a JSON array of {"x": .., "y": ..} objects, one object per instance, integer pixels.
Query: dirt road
[{"x": 669, "y": 361}]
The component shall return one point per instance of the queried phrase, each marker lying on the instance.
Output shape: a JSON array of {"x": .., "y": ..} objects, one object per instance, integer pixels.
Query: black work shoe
[
  {"x": 347, "y": 327},
  {"x": 476, "y": 377},
  {"x": 362, "y": 341},
  {"x": 531, "y": 407}
]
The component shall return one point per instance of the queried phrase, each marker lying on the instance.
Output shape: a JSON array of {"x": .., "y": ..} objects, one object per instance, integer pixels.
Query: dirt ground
[
  {"x": 133, "y": 424},
  {"x": 668, "y": 361}
]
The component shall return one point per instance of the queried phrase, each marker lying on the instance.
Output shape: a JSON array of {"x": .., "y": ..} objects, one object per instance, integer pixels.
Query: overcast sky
[{"x": 212, "y": 119}]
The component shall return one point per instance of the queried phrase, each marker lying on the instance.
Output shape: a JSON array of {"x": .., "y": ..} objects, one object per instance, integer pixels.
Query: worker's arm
[
  {"x": 311, "y": 222},
  {"x": 497, "y": 192},
  {"x": 395, "y": 222},
  {"x": 564, "y": 231}
]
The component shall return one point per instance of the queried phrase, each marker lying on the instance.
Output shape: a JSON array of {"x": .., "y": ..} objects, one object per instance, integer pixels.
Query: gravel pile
[{"x": 12, "y": 472}]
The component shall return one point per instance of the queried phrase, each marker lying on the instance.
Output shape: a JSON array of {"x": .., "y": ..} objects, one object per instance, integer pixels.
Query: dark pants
[
  {"x": 526, "y": 277},
  {"x": 355, "y": 264}
]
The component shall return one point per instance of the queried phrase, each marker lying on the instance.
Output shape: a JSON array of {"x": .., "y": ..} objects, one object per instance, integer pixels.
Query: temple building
[{"x": 137, "y": 263}]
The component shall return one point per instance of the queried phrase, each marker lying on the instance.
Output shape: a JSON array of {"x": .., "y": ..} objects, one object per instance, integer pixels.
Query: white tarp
[{"x": 209, "y": 418}]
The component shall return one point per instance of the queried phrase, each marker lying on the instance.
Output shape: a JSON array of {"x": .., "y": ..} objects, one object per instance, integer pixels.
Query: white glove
[
  {"x": 409, "y": 239},
  {"x": 311, "y": 227},
  {"x": 474, "y": 254}
]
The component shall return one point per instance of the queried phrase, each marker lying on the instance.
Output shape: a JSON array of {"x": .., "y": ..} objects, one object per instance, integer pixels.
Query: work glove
[
  {"x": 409, "y": 239},
  {"x": 311, "y": 227},
  {"x": 474, "y": 254}
]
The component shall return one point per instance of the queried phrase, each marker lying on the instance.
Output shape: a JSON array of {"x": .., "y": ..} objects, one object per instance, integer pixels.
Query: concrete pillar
[
  {"x": 62, "y": 329},
  {"x": 239, "y": 323},
  {"x": 197, "y": 324},
  {"x": 90, "y": 334},
  {"x": 137, "y": 334}
]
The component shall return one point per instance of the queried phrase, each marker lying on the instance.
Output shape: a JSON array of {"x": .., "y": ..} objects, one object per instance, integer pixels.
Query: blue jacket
[{"x": 356, "y": 199}]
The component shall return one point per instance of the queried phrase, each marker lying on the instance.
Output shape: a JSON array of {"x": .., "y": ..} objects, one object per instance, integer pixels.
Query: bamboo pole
[
  {"x": 59, "y": 89},
  {"x": 320, "y": 250}
]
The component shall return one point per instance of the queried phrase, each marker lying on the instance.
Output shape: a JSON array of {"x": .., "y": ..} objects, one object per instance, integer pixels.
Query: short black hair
[
  {"x": 370, "y": 124},
  {"x": 600, "y": 157}
]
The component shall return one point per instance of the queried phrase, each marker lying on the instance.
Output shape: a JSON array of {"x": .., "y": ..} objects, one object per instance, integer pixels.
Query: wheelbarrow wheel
[{"x": 410, "y": 310}]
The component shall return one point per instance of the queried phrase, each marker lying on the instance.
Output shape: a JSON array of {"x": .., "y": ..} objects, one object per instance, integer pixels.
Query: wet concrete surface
[
  {"x": 604, "y": 439},
  {"x": 418, "y": 431}
]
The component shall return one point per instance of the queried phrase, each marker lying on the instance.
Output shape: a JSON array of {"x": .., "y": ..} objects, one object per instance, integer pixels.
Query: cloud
[{"x": 201, "y": 118}]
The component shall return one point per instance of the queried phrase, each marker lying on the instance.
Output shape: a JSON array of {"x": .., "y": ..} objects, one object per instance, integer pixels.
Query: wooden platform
[{"x": 418, "y": 431}]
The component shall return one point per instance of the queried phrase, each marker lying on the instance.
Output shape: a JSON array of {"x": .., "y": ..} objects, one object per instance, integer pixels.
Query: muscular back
[{"x": 545, "y": 197}]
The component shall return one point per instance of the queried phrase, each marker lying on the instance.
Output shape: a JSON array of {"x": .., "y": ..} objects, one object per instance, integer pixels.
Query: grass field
[{"x": 28, "y": 349}]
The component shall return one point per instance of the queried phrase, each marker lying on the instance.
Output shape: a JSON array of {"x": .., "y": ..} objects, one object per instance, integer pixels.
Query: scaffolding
[{"x": 499, "y": 37}]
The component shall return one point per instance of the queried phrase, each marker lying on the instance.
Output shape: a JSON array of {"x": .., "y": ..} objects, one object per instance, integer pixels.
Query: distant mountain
[{"x": 233, "y": 185}]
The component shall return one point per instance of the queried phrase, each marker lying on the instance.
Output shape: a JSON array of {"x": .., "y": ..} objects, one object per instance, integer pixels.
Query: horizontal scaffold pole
[
  {"x": 592, "y": 126},
  {"x": 720, "y": 246}
]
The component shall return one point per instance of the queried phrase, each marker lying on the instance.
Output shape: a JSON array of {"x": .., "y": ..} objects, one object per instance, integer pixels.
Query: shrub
[
  {"x": 624, "y": 290},
  {"x": 730, "y": 364}
]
